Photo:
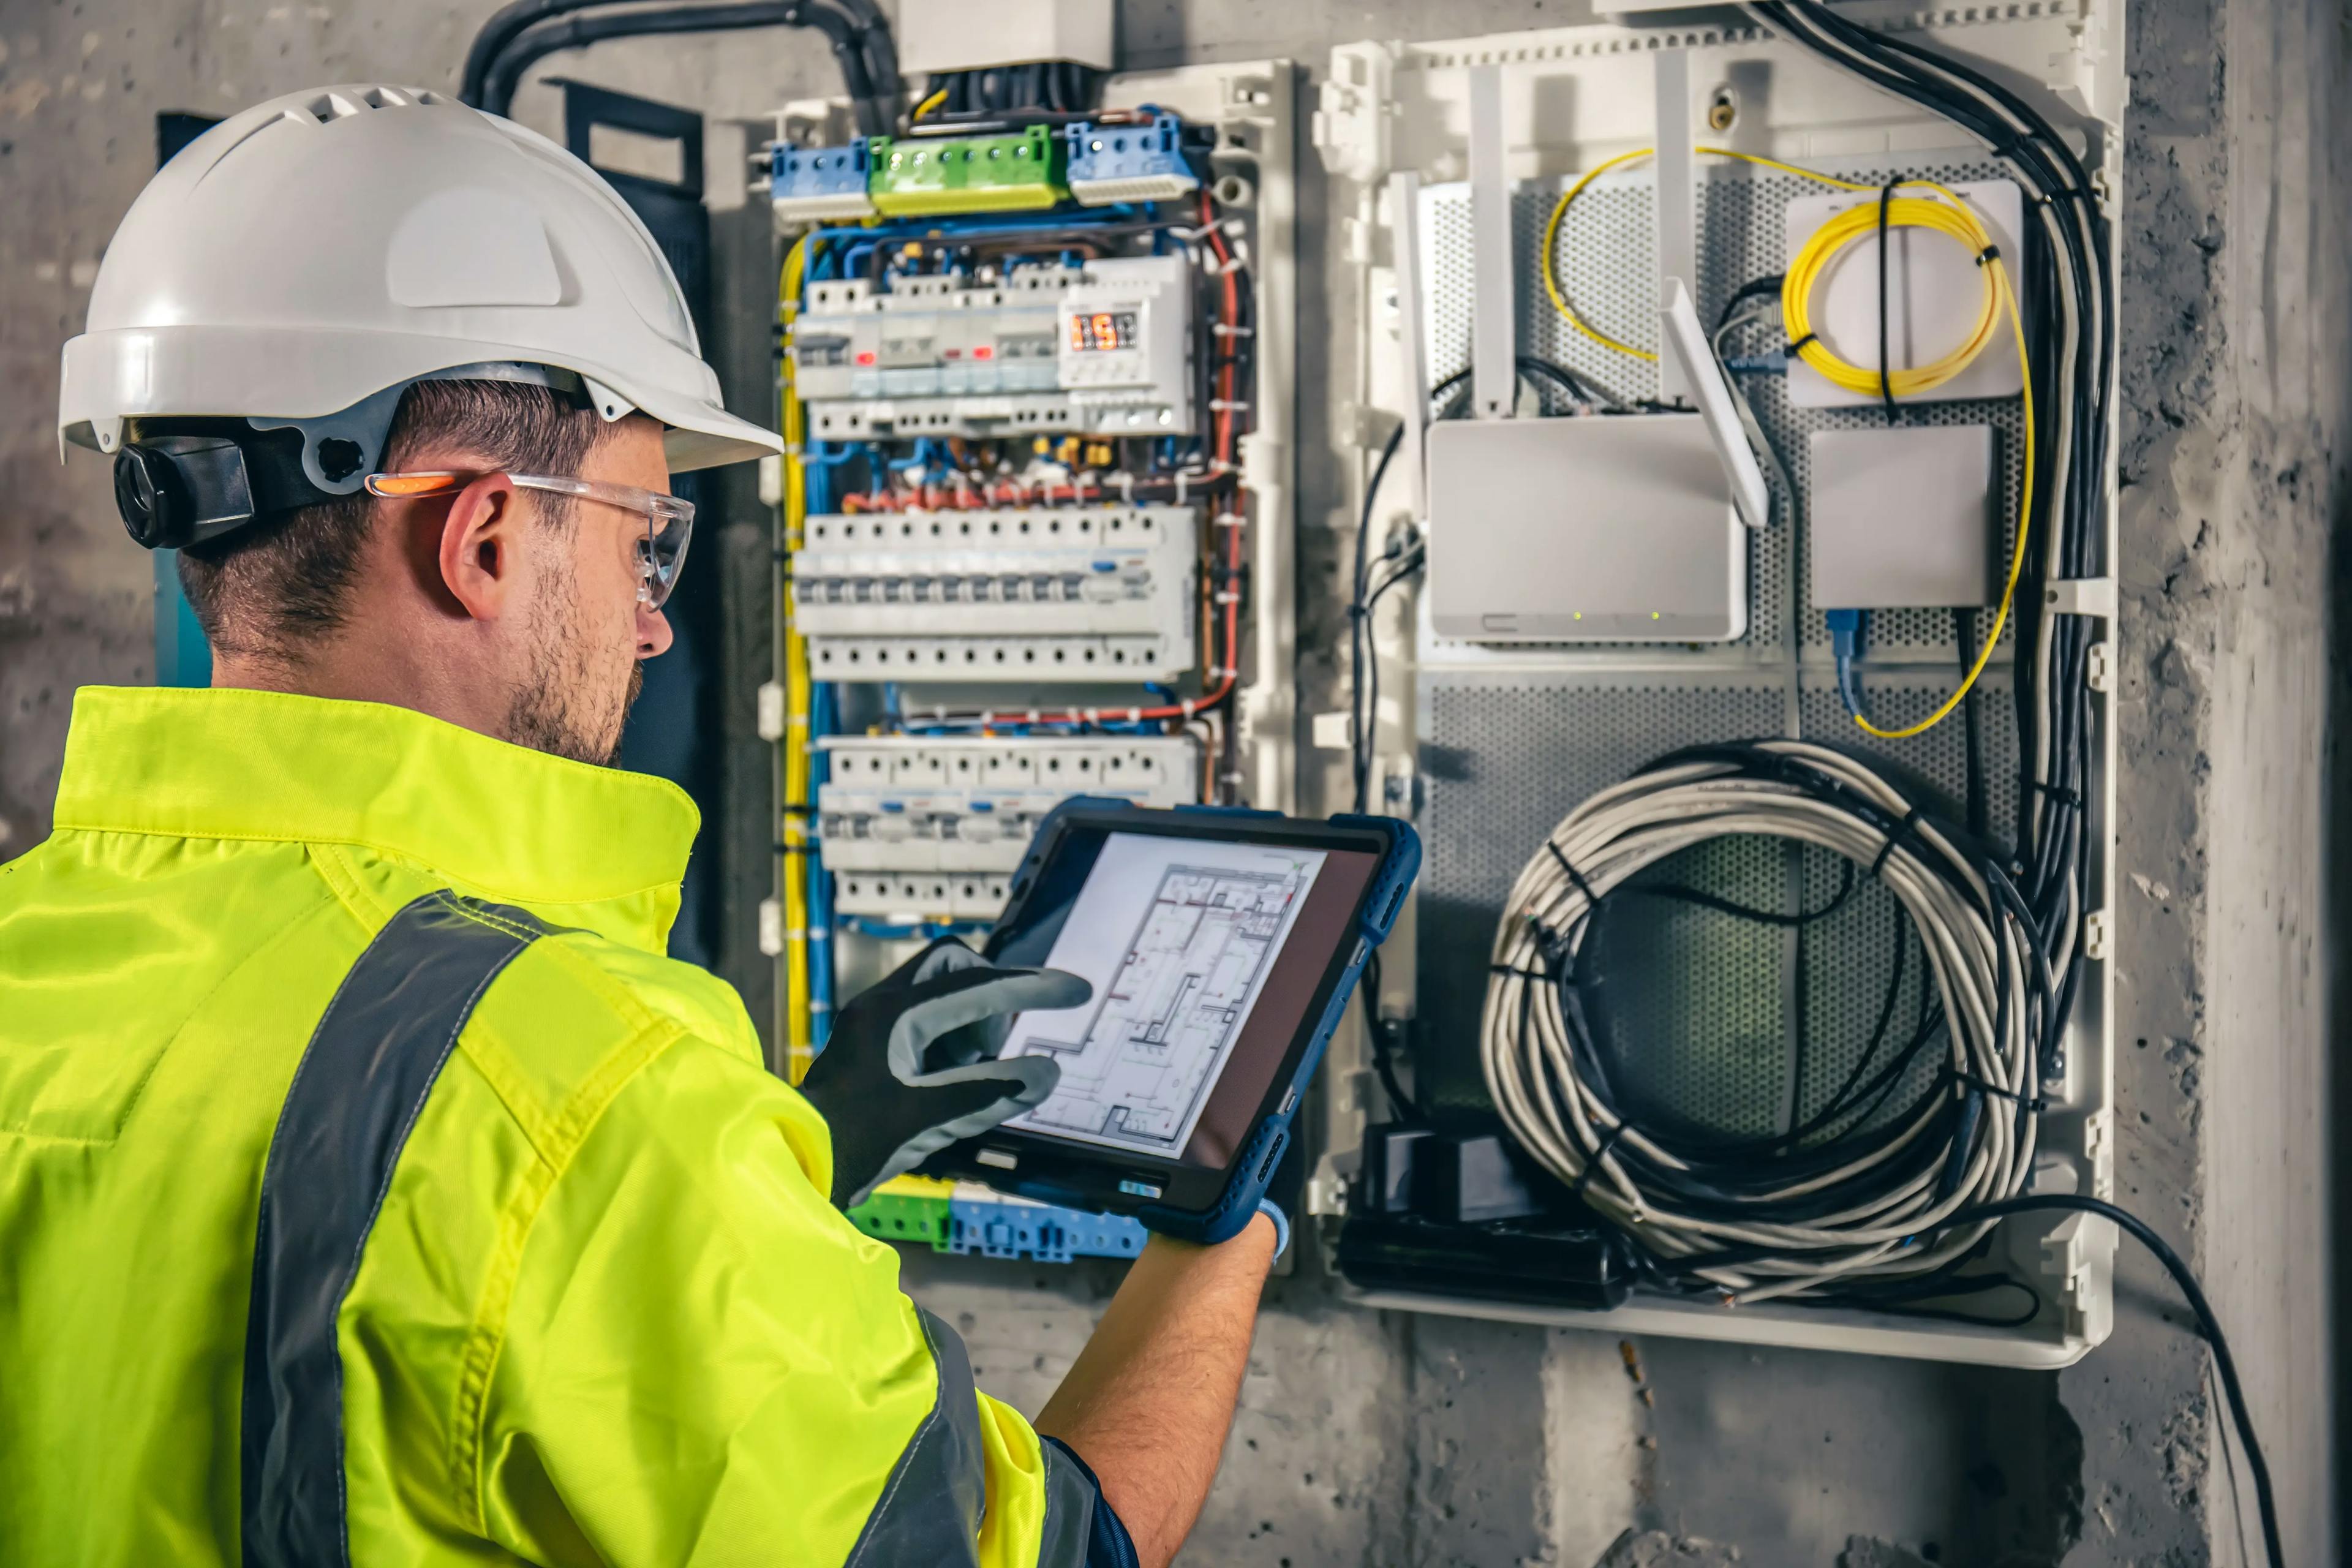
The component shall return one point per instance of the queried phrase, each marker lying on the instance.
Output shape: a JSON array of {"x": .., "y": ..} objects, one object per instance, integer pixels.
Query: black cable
[
  {"x": 504, "y": 27},
  {"x": 1755, "y": 288},
  {"x": 2070, "y": 251},
  {"x": 1383, "y": 1064},
  {"x": 572, "y": 31},
  {"x": 1358, "y": 633},
  {"x": 2224, "y": 1364},
  {"x": 1964, "y": 639}
]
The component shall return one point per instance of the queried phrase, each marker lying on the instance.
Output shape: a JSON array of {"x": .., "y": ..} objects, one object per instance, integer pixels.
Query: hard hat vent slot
[{"x": 342, "y": 103}]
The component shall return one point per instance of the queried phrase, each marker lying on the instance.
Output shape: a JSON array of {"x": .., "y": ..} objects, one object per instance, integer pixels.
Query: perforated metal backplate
[{"x": 1698, "y": 1014}]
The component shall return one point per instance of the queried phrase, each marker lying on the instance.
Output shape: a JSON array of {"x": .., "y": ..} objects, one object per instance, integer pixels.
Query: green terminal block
[
  {"x": 907, "y": 1208},
  {"x": 920, "y": 176}
]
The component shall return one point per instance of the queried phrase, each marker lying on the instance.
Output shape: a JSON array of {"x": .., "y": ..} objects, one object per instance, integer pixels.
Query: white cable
[{"x": 1532, "y": 1071}]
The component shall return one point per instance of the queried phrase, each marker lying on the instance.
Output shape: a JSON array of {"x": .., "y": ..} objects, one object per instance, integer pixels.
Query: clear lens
[{"x": 662, "y": 556}]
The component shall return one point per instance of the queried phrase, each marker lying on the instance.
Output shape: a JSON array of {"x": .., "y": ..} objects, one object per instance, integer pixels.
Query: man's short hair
[{"x": 279, "y": 585}]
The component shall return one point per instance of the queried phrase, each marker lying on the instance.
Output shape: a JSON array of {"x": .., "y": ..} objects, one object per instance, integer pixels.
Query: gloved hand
[{"x": 912, "y": 1066}]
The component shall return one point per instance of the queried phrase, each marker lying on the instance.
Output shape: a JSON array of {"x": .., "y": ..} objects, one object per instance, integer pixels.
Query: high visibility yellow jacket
[{"x": 598, "y": 1310}]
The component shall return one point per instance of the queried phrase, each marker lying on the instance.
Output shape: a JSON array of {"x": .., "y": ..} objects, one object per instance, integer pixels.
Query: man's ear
[{"x": 479, "y": 554}]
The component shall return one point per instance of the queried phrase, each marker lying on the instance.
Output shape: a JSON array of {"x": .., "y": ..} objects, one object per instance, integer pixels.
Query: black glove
[{"x": 912, "y": 1066}]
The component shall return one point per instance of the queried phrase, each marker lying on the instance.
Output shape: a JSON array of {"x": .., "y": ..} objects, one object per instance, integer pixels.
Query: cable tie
[
  {"x": 1985, "y": 1085},
  {"x": 1225, "y": 597},
  {"x": 1091, "y": 715},
  {"x": 1886, "y": 355},
  {"x": 2053, "y": 792},
  {"x": 1228, "y": 520},
  {"x": 1181, "y": 475},
  {"x": 1135, "y": 715},
  {"x": 1223, "y": 330},
  {"x": 1592, "y": 898},
  {"x": 1522, "y": 974},
  {"x": 1127, "y": 486},
  {"x": 1989, "y": 253},
  {"x": 1902, "y": 830},
  {"x": 1227, "y": 405},
  {"x": 1592, "y": 1160},
  {"x": 1188, "y": 705},
  {"x": 1797, "y": 349},
  {"x": 1228, "y": 267}
]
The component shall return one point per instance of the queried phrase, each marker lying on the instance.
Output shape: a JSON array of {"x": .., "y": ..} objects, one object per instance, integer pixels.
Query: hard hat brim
[{"x": 302, "y": 372}]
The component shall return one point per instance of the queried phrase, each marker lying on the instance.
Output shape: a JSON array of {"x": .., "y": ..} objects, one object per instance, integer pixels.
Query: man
[{"x": 372, "y": 1188}]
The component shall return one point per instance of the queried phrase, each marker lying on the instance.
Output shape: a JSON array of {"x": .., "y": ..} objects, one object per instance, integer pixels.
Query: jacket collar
[{"x": 499, "y": 820}]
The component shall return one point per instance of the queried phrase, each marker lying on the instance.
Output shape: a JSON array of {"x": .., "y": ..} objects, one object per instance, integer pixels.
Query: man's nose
[{"x": 653, "y": 635}]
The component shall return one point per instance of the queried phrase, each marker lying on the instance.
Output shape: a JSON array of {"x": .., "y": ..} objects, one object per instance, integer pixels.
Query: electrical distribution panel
[
  {"x": 932, "y": 828},
  {"x": 1034, "y": 516},
  {"x": 1093, "y": 593}
]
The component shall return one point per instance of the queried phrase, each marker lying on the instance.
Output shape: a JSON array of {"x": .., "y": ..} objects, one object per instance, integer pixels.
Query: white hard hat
[{"x": 301, "y": 262}]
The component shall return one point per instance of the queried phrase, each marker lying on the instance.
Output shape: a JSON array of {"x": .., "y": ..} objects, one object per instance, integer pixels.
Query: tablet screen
[{"x": 1183, "y": 940}]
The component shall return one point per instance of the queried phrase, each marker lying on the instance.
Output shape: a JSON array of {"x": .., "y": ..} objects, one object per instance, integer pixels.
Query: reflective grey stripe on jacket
[
  {"x": 375, "y": 1055},
  {"x": 937, "y": 1497}
]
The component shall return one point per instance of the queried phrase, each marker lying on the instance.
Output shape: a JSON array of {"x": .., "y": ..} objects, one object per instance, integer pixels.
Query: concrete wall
[{"x": 1376, "y": 1440}]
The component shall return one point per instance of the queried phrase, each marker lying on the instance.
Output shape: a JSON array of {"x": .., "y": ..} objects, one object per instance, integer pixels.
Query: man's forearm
[{"x": 1149, "y": 1400}]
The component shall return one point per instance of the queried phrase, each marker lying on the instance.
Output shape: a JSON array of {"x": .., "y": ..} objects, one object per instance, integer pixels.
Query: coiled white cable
[{"x": 1773, "y": 1236}]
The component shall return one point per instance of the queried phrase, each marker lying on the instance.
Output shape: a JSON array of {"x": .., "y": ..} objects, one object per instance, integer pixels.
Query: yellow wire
[
  {"x": 928, "y": 104},
  {"x": 800, "y": 1032},
  {"x": 2008, "y": 297},
  {"x": 1560, "y": 210}
]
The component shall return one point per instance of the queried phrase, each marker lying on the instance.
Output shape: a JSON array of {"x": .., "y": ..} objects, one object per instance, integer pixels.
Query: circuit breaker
[
  {"x": 1096, "y": 594},
  {"x": 932, "y": 828}
]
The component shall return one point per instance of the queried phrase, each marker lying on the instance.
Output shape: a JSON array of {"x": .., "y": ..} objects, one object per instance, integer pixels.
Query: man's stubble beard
[{"x": 566, "y": 706}]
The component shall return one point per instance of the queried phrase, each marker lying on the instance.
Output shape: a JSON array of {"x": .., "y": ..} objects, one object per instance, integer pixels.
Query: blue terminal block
[
  {"x": 988, "y": 1223},
  {"x": 1146, "y": 161},
  {"x": 809, "y": 184}
]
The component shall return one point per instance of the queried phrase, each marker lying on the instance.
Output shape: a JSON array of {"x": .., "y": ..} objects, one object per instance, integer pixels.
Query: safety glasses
[{"x": 670, "y": 521}]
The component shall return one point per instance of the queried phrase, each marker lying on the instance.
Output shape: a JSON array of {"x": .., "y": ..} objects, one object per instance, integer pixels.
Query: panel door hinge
[
  {"x": 2097, "y": 935},
  {"x": 1351, "y": 123},
  {"x": 2099, "y": 674}
]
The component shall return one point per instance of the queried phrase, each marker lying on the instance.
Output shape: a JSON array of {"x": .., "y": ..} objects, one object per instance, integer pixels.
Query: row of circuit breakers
[{"x": 1098, "y": 349}]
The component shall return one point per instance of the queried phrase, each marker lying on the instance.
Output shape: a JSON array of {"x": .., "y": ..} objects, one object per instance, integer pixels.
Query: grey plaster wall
[{"x": 1378, "y": 1439}]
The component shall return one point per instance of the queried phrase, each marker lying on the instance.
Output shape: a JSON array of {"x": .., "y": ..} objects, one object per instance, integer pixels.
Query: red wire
[{"x": 1222, "y": 447}]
